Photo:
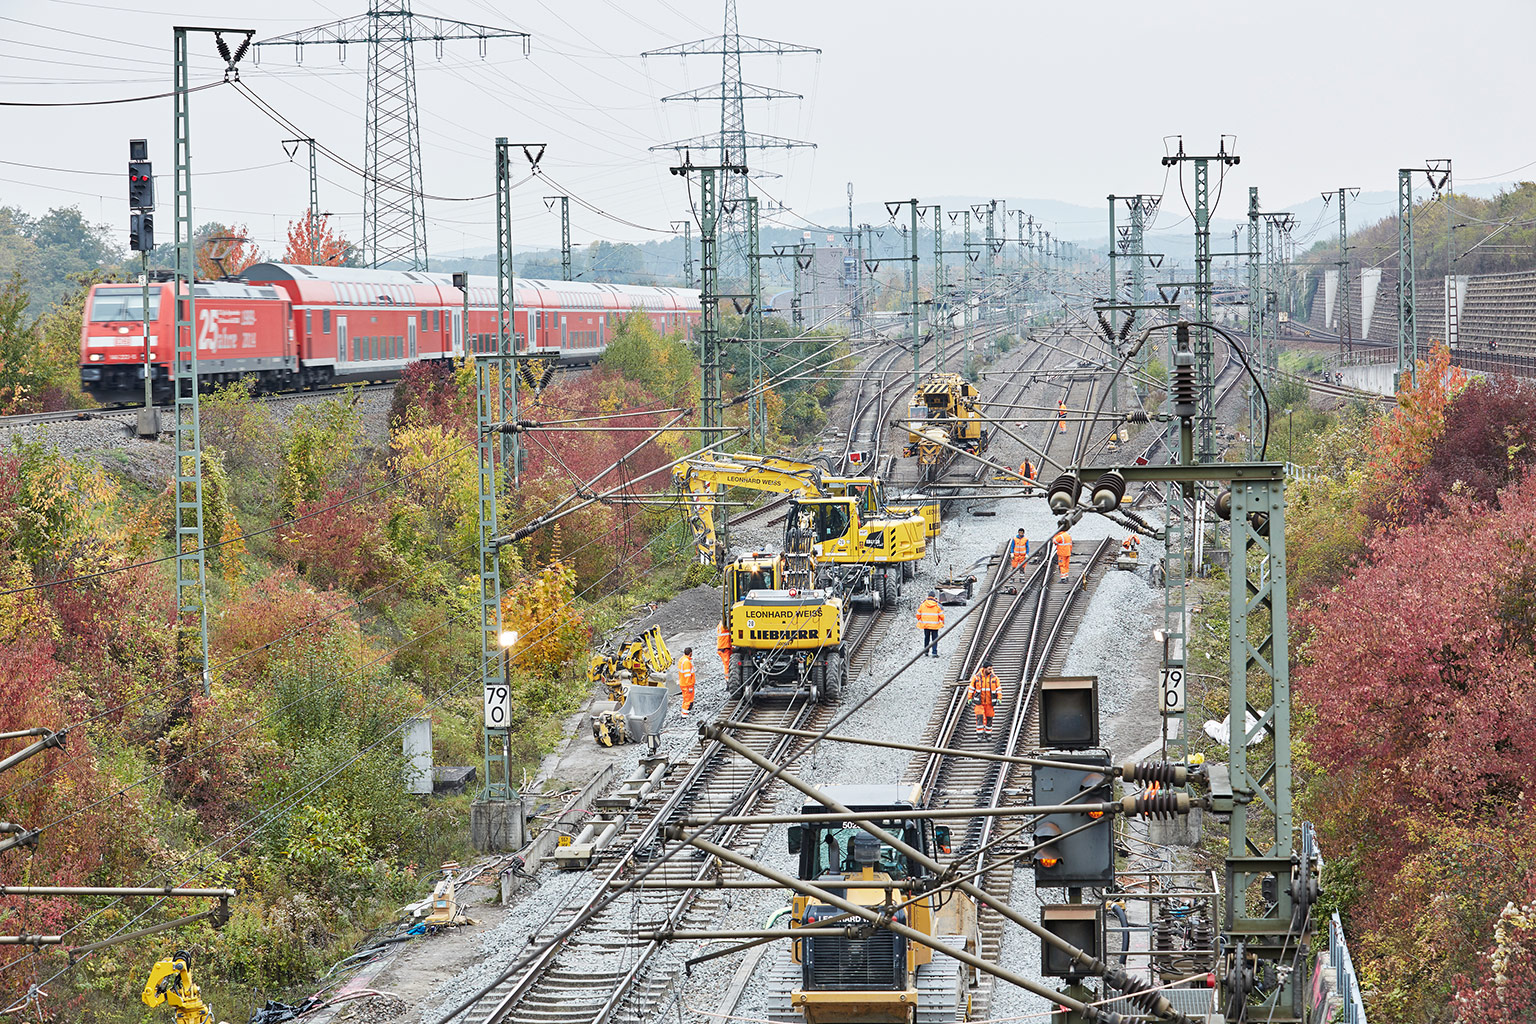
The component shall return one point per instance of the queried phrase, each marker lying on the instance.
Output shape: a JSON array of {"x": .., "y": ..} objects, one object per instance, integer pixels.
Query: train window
[
  {"x": 423, "y": 320},
  {"x": 437, "y": 319},
  {"x": 399, "y": 345},
  {"x": 309, "y": 322},
  {"x": 325, "y": 321},
  {"x": 357, "y": 348}
]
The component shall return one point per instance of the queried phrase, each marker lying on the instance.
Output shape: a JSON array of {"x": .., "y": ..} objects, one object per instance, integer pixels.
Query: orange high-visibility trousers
[{"x": 1063, "y": 553}]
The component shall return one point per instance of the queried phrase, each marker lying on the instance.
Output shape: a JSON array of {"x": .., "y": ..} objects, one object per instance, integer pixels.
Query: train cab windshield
[{"x": 123, "y": 303}]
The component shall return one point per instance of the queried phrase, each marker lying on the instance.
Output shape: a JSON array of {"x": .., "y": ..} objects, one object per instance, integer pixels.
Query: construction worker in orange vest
[
  {"x": 723, "y": 646},
  {"x": 1061, "y": 414},
  {"x": 1018, "y": 551},
  {"x": 930, "y": 618},
  {"x": 1130, "y": 544},
  {"x": 687, "y": 679},
  {"x": 983, "y": 695},
  {"x": 1029, "y": 471},
  {"x": 1063, "y": 541}
]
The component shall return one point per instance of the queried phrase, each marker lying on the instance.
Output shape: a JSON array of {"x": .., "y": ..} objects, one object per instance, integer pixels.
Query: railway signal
[
  {"x": 1068, "y": 853},
  {"x": 141, "y": 231},
  {"x": 141, "y": 176},
  {"x": 1081, "y": 924}
]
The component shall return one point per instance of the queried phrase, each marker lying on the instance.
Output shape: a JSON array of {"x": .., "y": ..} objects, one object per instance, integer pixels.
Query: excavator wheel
[
  {"x": 836, "y": 678},
  {"x": 736, "y": 685},
  {"x": 890, "y": 589}
]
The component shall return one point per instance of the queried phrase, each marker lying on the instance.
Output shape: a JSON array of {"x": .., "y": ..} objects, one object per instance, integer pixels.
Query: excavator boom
[{"x": 699, "y": 478}]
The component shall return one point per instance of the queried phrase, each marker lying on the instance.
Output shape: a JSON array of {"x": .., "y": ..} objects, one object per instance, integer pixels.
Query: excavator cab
[
  {"x": 755, "y": 571},
  {"x": 868, "y": 492}
]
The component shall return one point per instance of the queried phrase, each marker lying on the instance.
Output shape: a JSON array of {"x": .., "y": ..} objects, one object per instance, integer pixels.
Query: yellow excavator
[
  {"x": 943, "y": 417},
  {"x": 170, "y": 982},
  {"x": 786, "y": 634},
  {"x": 884, "y": 977},
  {"x": 851, "y": 528}
]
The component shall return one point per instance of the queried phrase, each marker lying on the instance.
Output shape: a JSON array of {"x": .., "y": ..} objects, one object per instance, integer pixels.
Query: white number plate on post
[
  {"x": 498, "y": 707},
  {"x": 1173, "y": 690}
]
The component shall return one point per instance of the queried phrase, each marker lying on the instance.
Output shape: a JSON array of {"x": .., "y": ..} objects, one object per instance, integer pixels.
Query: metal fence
[
  {"x": 1336, "y": 999},
  {"x": 1346, "y": 985}
]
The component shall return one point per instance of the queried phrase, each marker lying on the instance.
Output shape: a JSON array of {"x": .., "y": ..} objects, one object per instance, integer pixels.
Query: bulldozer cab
[
  {"x": 884, "y": 977},
  {"x": 844, "y": 849}
]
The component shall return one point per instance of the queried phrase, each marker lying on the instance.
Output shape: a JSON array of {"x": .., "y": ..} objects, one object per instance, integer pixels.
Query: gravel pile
[
  {"x": 73, "y": 437},
  {"x": 108, "y": 436},
  {"x": 379, "y": 1009}
]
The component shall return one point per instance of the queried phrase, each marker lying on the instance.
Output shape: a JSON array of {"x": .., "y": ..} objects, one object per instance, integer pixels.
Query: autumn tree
[
  {"x": 1420, "y": 680},
  {"x": 224, "y": 251},
  {"x": 19, "y": 379},
  {"x": 1401, "y": 441},
  {"x": 1489, "y": 439},
  {"x": 313, "y": 242}
]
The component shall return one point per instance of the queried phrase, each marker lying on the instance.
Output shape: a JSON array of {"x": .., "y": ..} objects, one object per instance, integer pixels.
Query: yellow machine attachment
[
  {"x": 883, "y": 977},
  {"x": 642, "y": 657},
  {"x": 170, "y": 981},
  {"x": 944, "y": 409}
]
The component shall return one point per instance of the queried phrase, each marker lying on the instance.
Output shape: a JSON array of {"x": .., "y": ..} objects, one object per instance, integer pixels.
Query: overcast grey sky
[{"x": 972, "y": 98}]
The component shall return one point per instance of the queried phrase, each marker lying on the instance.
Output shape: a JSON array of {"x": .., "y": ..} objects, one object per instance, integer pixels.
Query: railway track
[
  {"x": 1025, "y": 635},
  {"x": 126, "y": 413},
  {"x": 603, "y": 971}
]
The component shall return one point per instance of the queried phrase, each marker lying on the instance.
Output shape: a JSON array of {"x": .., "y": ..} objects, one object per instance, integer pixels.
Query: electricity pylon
[
  {"x": 733, "y": 140},
  {"x": 394, "y": 209}
]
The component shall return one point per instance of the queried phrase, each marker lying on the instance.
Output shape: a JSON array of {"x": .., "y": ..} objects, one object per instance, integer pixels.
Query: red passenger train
[{"x": 290, "y": 326}]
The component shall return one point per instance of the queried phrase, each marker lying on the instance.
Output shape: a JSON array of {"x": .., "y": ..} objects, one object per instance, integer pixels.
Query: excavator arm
[{"x": 699, "y": 478}]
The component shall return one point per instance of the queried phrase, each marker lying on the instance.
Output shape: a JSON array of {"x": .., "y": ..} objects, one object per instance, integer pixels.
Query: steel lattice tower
[
  {"x": 394, "y": 208},
  {"x": 394, "y": 219},
  {"x": 733, "y": 140}
]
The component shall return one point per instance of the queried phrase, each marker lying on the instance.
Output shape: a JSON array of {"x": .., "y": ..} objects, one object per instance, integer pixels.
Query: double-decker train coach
[
  {"x": 240, "y": 330},
  {"x": 294, "y": 326}
]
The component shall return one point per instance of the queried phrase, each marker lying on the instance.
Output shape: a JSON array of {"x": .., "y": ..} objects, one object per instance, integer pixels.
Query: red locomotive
[{"x": 291, "y": 326}]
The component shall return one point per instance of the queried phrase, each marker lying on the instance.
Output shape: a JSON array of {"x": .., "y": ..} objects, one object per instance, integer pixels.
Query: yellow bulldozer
[
  {"x": 943, "y": 417},
  {"x": 883, "y": 978}
]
